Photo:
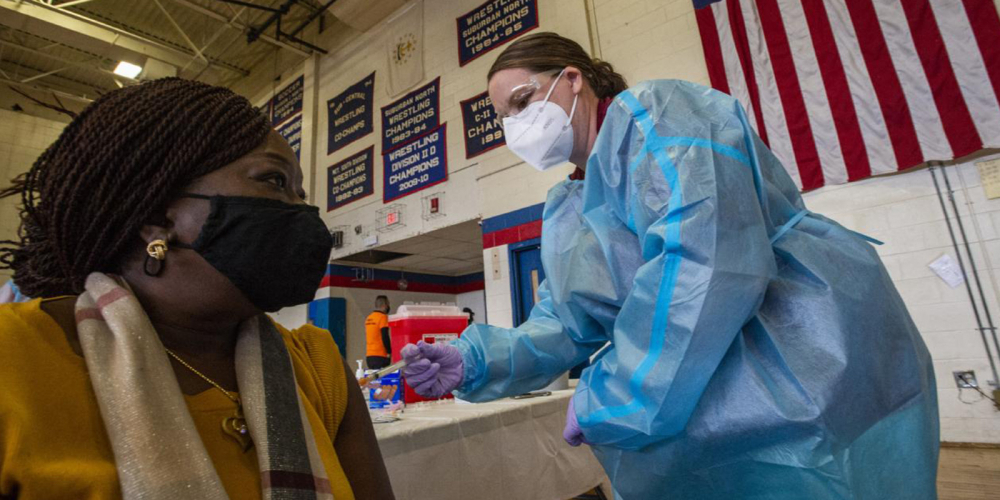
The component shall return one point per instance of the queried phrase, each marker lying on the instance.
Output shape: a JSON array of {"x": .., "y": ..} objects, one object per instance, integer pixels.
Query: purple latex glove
[
  {"x": 432, "y": 370},
  {"x": 572, "y": 433}
]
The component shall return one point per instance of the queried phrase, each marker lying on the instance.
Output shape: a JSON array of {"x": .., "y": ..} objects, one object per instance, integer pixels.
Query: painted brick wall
[
  {"x": 498, "y": 298},
  {"x": 22, "y": 139},
  {"x": 649, "y": 39}
]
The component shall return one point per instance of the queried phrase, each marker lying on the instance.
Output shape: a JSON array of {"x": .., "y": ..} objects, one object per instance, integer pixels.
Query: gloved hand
[
  {"x": 572, "y": 433},
  {"x": 432, "y": 370}
]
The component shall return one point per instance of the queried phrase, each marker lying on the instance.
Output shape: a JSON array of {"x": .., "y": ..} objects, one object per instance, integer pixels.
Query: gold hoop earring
[{"x": 157, "y": 249}]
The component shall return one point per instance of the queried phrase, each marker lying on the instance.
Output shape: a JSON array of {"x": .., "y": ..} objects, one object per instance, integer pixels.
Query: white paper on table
[{"x": 947, "y": 269}]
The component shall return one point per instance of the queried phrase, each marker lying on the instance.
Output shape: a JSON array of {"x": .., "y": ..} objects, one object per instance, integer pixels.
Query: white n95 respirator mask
[{"x": 541, "y": 134}]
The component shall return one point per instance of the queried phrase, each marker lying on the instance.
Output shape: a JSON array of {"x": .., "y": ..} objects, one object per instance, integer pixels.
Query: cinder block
[
  {"x": 892, "y": 266},
  {"x": 675, "y": 8},
  {"x": 502, "y": 318},
  {"x": 919, "y": 292},
  {"x": 970, "y": 430},
  {"x": 968, "y": 174},
  {"x": 619, "y": 12},
  {"x": 954, "y": 345},
  {"x": 964, "y": 404},
  {"x": 936, "y": 235},
  {"x": 943, "y": 317},
  {"x": 914, "y": 211},
  {"x": 869, "y": 221},
  {"x": 977, "y": 197},
  {"x": 992, "y": 253},
  {"x": 956, "y": 294},
  {"x": 901, "y": 240},
  {"x": 915, "y": 264}
]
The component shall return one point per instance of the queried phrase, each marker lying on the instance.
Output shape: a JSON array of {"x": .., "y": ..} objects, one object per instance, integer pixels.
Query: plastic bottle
[{"x": 360, "y": 374}]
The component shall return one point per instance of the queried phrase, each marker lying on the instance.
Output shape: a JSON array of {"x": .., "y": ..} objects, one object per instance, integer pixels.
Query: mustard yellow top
[{"x": 52, "y": 439}]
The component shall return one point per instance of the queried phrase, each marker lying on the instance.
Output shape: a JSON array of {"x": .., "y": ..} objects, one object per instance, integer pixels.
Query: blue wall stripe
[
  {"x": 382, "y": 274},
  {"x": 511, "y": 219}
]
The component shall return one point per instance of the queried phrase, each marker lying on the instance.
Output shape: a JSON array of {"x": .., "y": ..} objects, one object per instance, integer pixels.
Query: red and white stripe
[{"x": 842, "y": 90}]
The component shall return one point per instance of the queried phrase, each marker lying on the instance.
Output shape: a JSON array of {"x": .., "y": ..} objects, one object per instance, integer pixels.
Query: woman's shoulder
[
  {"x": 665, "y": 86},
  {"x": 319, "y": 369},
  {"x": 33, "y": 347},
  {"x": 23, "y": 324},
  {"x": 682, "y": 98},
  {"x": 313, "y": 341}
]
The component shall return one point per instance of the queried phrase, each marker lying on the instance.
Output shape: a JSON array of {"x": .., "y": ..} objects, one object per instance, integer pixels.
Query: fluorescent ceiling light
[{"x": 128, "y": 70}]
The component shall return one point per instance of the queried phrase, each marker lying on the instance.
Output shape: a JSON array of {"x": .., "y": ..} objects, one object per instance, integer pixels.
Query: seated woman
[{"x": 155, "y": 233}]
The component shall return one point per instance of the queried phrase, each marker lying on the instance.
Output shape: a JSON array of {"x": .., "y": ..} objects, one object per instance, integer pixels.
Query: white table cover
[{"x": 506, "y": 449}]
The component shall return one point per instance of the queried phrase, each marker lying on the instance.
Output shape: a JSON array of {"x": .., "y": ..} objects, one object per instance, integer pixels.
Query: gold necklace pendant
[{"x": 236, "y": 428}]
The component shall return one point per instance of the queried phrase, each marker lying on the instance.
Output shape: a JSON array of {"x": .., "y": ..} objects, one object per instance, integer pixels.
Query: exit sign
[{"x": 391, "y": 218}]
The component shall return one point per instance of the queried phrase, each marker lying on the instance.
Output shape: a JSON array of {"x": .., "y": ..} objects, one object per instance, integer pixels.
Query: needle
[{"x": 367, "y": 379}]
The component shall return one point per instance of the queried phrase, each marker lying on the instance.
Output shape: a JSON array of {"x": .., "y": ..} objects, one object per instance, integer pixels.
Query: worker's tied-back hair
[{"x": 114, "y": 169}]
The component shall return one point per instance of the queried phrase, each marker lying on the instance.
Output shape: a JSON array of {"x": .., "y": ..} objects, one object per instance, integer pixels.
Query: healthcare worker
[{"x": 757, "y": 349}]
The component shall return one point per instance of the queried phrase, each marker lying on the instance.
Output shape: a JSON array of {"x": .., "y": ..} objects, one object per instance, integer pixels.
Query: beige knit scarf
[{"x": 158, "y": 451}]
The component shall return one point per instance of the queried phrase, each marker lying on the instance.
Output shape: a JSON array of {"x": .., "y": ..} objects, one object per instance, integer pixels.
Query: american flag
[{"x": 845, "y": 89}]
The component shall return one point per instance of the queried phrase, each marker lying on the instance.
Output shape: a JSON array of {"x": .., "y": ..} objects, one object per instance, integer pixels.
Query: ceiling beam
[
  {"x": 251, "y": 5},
  {"x": 70, "y": 87},
  {"x": 257, "y": 31},
  {"x": 76, "y": 86},
  {"x": 70, "y": 3},
  {"x": 43, "y": 75},
  {"x": 84, "y": 64},
  {"x": 41, "y": 88},
  {"x": 312, "y": 18},
  {"x": 239, "y": 26},
  {"x": 27, "y": 14},
  {"x": 197, "y": 52},
  {"x": 212, "y": 40}
]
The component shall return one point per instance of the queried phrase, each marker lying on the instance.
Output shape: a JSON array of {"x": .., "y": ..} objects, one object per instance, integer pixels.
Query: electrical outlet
[{"x": 965, "y": 379}]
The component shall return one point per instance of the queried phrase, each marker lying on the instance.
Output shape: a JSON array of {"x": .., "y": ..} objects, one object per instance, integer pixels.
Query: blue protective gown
[{"x": 754, "y": 349}]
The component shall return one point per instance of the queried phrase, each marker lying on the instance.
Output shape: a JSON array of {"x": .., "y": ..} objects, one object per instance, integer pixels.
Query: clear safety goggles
[{"x": 526, "y": 93}]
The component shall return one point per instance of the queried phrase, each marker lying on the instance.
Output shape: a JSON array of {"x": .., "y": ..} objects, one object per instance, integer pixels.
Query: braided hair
[
  {"x": 548, "y": 51},
  {"x": 113, "y": 169}
]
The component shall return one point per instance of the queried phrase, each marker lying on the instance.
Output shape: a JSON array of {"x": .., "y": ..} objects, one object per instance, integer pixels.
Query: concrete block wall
[
  {"x": 649, "y": 39},
  {"x": 904, "y": 211},
  {"x": 499, "y": 302},
  {"x": 23, "y": 138},
  {"x": 476, "y": 301}
]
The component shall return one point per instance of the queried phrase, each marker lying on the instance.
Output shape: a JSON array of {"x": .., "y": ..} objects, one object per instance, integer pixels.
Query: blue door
[
  {"x": 331, "y": 315},
  {"x": 526, "y": 273}
]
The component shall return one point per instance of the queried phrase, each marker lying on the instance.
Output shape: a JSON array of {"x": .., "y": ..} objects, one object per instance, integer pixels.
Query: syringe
[{"x": 367, "y": 379}]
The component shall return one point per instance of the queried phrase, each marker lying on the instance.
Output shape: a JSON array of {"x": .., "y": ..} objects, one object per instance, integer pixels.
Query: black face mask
[{"x": 276, "y": 253}]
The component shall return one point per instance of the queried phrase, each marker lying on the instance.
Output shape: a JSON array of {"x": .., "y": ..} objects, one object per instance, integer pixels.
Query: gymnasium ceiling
[{"x": 63, "y": 52}]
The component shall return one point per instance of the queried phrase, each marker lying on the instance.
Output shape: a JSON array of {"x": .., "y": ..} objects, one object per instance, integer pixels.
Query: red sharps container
[{"x": 430, "y": 323}]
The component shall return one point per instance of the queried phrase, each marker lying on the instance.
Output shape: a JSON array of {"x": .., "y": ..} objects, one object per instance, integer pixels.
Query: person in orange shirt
[{"x": 377, "y": 334}]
